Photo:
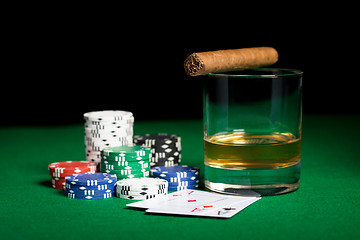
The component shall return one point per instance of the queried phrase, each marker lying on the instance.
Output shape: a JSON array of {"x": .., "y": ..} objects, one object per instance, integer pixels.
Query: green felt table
[{"x": 326, "y": 206}]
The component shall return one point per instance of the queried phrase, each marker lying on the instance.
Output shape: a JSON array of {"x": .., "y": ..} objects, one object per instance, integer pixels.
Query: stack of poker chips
[
  {"x": 141, "y": 188},
  {"x": 166, "y": 148},
  {"x": 90, "y": 186},
  {"x": 180, "y": 177},
  {"x": 107, "y": 129},
  {"x": 126, "y": 161},
  {"x": 59, "y": 170}
]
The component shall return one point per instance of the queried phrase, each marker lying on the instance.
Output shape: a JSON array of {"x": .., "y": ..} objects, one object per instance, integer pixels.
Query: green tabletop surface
[{"x": 326, "y": 206}]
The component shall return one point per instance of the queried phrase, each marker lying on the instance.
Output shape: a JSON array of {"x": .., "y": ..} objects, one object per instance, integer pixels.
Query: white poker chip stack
[
  {"x": 141, "y": 188},
  {"x": 110, "y": 128}
]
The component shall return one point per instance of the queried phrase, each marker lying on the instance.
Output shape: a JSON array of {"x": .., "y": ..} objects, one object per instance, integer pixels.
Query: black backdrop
[{"x": 58, "y": 70}]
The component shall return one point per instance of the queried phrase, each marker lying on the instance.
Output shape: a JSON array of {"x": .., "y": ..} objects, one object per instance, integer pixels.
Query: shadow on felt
[{"x": 46, "y": 183}]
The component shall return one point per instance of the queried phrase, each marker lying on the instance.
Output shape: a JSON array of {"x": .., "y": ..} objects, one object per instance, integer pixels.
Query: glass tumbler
[{"x": 252, "y": 131}]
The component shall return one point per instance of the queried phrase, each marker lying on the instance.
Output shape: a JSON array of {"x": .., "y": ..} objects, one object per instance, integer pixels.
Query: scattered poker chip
[
  {"x": 92, "y": 179},
  {"x": 141, "y": 188},
  {"x": 107, "y": 128},
  {"x": 166, "y": 148},
  {"x": 180, "y": 177}
]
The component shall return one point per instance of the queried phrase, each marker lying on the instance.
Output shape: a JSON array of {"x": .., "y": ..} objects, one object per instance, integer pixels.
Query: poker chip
[
  {"x": 118, "y": 165},
  {"x": 141, "y": 188},
  {"x": 195, "y": 180},
  {"x": 180, "y": 188},
  {"x": 134, "y": 174},
  {"x": 180, "y": 171},
  {"x": 62, "y": 169},
  {"x": 179, "y": 177},
  {"x": 166, "y": 148},
  {"x": 89, "y": 197},
  {"x": 88, "y": 192},
  {"x": 141, "y": 184},
  {"x": 126, "y": 161},
  {"x": 127, "y": 152},
  {"x": 107, "y": 128},
  {"x": 92, "y": 179},
  {"x": 110, "y": 186},
  {"x": 109, "y": 115},
  {"x": 59, "y": 170},
  {"x": 139, "y": 197},
  {"x": 90, "y": 186}
]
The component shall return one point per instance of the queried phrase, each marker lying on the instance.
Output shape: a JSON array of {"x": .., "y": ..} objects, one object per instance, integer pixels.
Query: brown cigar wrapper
[{"x": 229, "y": 60}]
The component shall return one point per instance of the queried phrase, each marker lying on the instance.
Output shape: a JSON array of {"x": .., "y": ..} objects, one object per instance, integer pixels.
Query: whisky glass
[{"x": 252, "y": 131}]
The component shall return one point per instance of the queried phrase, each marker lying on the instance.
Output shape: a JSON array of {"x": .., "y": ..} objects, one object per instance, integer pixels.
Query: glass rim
[{"x": 289, "y": 72}]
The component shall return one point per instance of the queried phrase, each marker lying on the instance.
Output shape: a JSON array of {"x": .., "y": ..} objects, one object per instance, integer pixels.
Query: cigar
[{"x": 229, "y": 60}]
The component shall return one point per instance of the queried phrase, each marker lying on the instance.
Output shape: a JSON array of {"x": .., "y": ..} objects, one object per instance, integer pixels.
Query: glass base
[{"x": 265, "y": 182}]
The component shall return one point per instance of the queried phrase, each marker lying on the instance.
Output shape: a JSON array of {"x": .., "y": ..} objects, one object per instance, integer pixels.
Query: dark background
[{"x": 57, "y": 68}]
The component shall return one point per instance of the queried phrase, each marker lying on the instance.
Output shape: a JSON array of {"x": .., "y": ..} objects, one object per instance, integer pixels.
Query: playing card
[
  {"x": 197, "y": 203},
  {"x": 224, "y": 212}
]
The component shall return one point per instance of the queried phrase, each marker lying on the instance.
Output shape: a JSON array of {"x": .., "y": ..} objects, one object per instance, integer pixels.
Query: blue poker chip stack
[
  {"x": 180, "y": 177},
  {"x": 90, "y": 186}
]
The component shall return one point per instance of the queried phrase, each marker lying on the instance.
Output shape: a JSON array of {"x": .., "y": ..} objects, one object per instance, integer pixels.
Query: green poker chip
[
  {"x": 118, "y": 158},
  {"x": 126, "y": 152},
  {"x": 133, "y": 166},
  {"x": 132, "y": 174}
]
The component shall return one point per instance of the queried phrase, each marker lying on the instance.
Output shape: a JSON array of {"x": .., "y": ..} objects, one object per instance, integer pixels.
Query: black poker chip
[{"x": 166, "y": 148}]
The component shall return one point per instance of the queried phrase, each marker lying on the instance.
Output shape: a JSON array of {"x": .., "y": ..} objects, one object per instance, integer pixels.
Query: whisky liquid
[
  {"x": 268, "y": 164},
  {"x": 247, "y": 151}
]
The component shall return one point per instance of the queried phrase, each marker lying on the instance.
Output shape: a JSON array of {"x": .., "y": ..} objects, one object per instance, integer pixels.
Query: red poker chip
[
  {"x": 58, "y": 182},
  {"x": 62, "y": 187},
  {"x": 58, "y": 185},
  {"x": 55, "y": 179},
  {"x": 63, "y": 169}
]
